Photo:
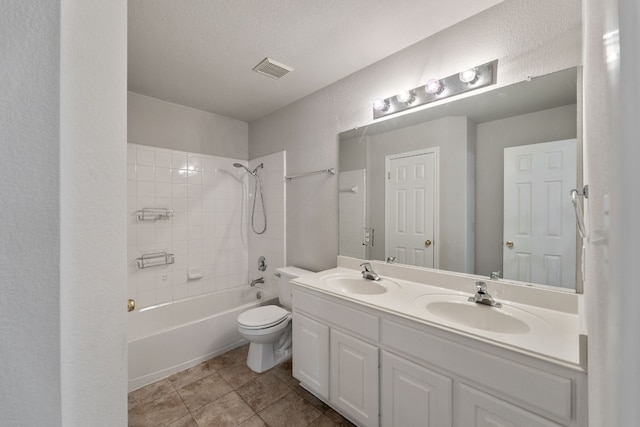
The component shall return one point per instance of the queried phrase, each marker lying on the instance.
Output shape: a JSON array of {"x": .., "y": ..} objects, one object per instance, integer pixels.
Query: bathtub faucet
[{"x": 255, "y": 281}]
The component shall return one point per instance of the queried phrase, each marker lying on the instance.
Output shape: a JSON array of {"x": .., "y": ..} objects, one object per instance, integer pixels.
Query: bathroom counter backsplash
[{"x": 553, "y": 336}]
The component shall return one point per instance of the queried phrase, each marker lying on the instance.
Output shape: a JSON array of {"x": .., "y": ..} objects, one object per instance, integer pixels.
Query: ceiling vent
[{"x": 272, "y": 68}]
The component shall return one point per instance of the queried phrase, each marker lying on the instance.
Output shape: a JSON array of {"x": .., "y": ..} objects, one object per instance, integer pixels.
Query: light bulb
[
  {"x": 433, "y": 86},
  {"x": 468, "y": 76},
  {"x": 380, "y": 105},
  {"x": 406, "y": 97}
]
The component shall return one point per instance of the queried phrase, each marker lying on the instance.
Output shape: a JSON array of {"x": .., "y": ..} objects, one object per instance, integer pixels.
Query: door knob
[
  {"x": 427, "y": 243},
  {"x": 131, "y": 305},
  {"x": 509, "y": 244}
]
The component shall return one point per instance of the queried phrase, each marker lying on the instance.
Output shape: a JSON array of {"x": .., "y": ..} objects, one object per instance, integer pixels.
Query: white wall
[
  {"x": 176, "y": 127},
  {"x": 62, "y": 168},
  {"x": 30, "y": 239},
  {"x": 528, "y": 37}
]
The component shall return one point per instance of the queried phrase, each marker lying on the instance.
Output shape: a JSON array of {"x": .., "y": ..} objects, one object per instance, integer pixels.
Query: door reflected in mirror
[{"x": 478, "y": 185}]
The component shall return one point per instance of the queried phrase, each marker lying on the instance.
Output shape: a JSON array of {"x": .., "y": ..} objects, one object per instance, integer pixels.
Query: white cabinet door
[
  {"x": 478, "y": 409},
  {"x": 311, "y": 354},
  {"x": 354, "y": 378},
  {"x": 413, "y": 395}
]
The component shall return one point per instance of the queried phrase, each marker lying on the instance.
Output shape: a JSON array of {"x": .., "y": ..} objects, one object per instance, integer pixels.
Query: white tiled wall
[
  {"x": 352, "y": 205},
  {"x": 208, "y": 230}
]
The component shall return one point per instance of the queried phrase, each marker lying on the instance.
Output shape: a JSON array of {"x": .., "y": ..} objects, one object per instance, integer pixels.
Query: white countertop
[{"x": 553, "y": 337}]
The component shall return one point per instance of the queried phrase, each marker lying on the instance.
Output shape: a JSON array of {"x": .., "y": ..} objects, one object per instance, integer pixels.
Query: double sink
[{"x": 449, "y": 308}]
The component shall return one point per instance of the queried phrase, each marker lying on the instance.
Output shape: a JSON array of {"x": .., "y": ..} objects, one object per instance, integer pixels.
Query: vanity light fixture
[
  {"x": 436, "y": 89},
  {"x": 406, "y": 97},
  {"x": 380, "y": 104},
  {"x": 469, "y": 75},
  {"x": 433, "y": 87}
]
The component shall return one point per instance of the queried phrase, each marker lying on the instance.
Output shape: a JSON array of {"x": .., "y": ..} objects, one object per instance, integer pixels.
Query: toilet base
[{"x": 263, "y": 357}]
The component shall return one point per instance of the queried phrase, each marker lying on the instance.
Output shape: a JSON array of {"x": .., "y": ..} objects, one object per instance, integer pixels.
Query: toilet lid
[{"x": 262, "y": 317}]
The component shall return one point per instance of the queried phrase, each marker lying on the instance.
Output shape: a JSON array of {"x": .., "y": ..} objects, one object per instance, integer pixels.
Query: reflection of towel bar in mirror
[
  {"x": 330, "y": 170},
  {"x": 353, "y": 189},
  {"x": 154, "y": 214},
  {"x": 575, "y": 192},
  {"x": 155, "y": 259}
]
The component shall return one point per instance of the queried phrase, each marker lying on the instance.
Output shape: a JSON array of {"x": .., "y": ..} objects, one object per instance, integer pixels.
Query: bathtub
[{"x": 168, "y": 338}]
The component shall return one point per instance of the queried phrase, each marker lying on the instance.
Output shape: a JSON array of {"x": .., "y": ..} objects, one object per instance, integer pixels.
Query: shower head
[
  {"x": 252, "y": 172},
  {"x": 238, "y": 165}
]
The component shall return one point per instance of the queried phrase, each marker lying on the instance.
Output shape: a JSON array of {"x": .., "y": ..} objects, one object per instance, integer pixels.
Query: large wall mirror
[{"x": 478, "y": 185}]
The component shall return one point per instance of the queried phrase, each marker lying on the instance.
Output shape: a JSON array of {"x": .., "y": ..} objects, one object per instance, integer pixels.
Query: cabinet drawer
[
  {"x": 525, "y": 385},
  {"x": 477, "y": 408},
  {"x": 346, "y": 318}
]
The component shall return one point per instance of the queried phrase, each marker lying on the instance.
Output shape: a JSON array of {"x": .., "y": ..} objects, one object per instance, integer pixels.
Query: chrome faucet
[
  {"x": 391, "y": 259},
  {"x": 258, "y": 280},
  {"x": 483, "y": 297},
  {"x": 495, "y": 275},
  {"x": 368, "y": 272}
]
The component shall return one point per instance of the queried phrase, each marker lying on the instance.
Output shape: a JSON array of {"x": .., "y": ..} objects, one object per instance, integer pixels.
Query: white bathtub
[{"x": 171, "y": 337}]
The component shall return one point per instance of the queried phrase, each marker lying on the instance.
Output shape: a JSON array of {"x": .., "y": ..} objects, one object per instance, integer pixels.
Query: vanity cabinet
[
  {"x": 354, "y": 378},
  {"x": 311, "y": 350},
  {"x": 375, "y": 367},
  {"x": 412, "y": 395}
]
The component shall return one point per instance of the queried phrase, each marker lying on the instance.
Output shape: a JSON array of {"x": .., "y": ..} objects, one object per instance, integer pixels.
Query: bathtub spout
[{"x": 255, "y": 281}]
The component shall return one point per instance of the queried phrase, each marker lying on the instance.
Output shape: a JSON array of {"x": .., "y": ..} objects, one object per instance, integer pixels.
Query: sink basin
[
  {"x": 458, "y": 310},
  {"x": 358, "y": 285}
]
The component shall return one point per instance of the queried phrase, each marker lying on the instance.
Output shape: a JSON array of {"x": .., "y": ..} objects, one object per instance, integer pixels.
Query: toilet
[{"x": 268, "y": 328}]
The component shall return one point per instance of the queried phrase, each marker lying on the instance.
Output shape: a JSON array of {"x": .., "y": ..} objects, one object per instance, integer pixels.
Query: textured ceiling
[{"x": 200, "y": 53}]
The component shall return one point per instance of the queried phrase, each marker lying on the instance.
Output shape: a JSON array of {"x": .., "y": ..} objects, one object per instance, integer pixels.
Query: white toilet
[{"x": 268, "y": 328}]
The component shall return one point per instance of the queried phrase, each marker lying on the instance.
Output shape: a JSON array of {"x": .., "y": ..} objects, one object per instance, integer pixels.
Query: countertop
[{"x": 553, "y": 336}]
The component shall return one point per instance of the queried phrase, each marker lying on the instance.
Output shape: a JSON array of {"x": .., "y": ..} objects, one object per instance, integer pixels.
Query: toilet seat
[{"x": 263, "y": 317}]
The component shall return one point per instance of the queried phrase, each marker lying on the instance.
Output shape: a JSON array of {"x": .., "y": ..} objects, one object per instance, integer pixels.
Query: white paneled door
[
  {"x": 539, "y": 222},
  {"x": 412, "y": 207}
]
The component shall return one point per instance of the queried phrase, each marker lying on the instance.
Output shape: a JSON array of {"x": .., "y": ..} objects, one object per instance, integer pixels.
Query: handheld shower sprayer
[{"x": 254, "y": 173}]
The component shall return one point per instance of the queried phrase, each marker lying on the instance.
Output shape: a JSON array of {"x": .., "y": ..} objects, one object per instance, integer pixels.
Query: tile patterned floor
[{"x": 224, "y": 392}]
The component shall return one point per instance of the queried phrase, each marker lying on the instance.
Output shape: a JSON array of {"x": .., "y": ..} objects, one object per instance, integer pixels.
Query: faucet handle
[
  {"x": 366, "y": 266},
  {"x": 481, "y": 287}
]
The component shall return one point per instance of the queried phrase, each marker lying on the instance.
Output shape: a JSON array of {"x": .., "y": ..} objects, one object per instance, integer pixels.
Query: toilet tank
[{"x": 284, "y": 285}]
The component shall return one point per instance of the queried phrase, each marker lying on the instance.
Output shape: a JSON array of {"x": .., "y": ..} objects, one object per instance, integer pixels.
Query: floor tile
[
  {"x": 230, "y": 358},
  {"x": 290, "y": 411},
  {"x": 283, "y": 371},
  {"x": 204, "y": 391},
  {"x": 323, "y": 421},
  {"x": 187, "y": 421},
  {"x": 309, "y": 397},
  {"x": 254, "y": 421},
  {"x": 237, "y": 374},
  {"x": 263, "y": 391},
  {"x": 338, "y": 419},
  {"x": 149, "y": 393},
  {"x": 190, "y": 375},
  {"x": 230, "y": 410},
  {"x": 164, "y": 410}
]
